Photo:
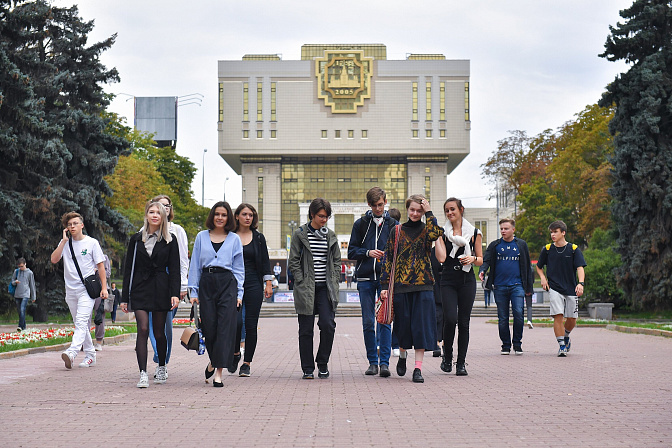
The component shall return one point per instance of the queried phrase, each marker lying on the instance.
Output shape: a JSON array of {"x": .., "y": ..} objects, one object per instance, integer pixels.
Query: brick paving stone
[{"x": 613, "y": 390}]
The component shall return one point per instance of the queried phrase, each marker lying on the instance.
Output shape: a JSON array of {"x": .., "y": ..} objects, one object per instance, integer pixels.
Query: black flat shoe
[
  {"x": 417, "y": 376},
  {"x": 217, "y": 384},
  {"x": 401, "y": 367},
  {"x": 209, "y": 373},
  {"x": 233, "y": 367}
]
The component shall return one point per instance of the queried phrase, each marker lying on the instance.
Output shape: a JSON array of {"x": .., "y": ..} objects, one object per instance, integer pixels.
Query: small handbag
[
  {"x": 92, "y": 282},
  {"x": 191, "y": 335},
  {"x": 384, "y": 307},
  {"x": 12, "y": 287}
]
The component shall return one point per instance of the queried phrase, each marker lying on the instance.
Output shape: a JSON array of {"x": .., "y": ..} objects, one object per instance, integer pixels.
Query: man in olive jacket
[{"x": 315, "y": 262}]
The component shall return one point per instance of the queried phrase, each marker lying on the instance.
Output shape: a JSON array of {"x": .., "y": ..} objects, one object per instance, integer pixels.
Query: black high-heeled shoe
[{"x": 209, "y": 373}]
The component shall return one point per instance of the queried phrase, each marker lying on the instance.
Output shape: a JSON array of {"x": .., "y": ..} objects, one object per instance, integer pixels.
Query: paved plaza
[{"x": 613, "y": 390}]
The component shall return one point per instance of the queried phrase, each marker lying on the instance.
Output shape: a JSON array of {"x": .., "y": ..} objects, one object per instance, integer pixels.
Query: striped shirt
[{"x": 319, "y": 249}]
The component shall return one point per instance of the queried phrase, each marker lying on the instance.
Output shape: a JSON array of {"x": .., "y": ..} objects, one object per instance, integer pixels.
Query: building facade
[{"x": 337, "y": 122}]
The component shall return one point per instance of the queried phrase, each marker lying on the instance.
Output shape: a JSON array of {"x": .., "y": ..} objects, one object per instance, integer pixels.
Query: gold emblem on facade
[{"x": 344, "y": 80}]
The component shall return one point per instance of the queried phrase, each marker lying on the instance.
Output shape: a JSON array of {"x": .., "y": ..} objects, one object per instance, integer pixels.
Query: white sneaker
[
  {"x": 68, "y": 359},
  {"x": 160, "y": 376},
  {"x": 395, "y": 352},
  {"x": 529, "y": 324},
  {"x": 88, "y": 362},
  {"x": 98, "y": 346},
  {"x": 144, "y": 380}
]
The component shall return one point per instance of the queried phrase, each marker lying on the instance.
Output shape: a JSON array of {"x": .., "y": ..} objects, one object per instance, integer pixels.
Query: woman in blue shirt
[{"x": 216, "y": 278}]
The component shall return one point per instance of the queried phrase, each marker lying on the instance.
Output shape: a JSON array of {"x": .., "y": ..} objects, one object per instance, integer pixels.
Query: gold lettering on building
[{"x": 344, "y": 80}]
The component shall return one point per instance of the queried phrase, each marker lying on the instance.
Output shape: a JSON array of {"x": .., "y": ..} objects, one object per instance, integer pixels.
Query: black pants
[
  {"x": 252, "y": 299},
  {"x": 217, "y": 297},
  {"x": 327, "y": 324},
  {"x": 458, "y": 301}
]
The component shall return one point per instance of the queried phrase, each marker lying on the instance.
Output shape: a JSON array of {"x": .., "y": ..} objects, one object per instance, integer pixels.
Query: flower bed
[
  {"x": 181, "y": 321},
  {"x": 43, "y": 337}
]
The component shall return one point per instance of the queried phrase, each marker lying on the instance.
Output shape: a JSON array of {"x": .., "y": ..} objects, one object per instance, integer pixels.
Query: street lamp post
[
  {"x": 225, "y": 180},
  {"x": 203, "y": 185}
]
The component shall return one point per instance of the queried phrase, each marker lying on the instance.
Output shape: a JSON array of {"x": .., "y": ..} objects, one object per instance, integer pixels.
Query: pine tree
[
  {"x": 642, "y": 129},
  {"x": 53, "y": 145}
]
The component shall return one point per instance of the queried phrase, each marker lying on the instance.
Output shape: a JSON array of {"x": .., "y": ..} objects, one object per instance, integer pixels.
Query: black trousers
[
  {"x": 217, "y": 297},
  {"x": 458, "y": 301},
  {"x": 327, "y": 324},
  {"x": 252, "y": 299}
]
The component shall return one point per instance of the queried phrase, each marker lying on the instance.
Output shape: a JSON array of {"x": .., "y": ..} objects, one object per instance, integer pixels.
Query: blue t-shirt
[{"x": 507, "y": 261}]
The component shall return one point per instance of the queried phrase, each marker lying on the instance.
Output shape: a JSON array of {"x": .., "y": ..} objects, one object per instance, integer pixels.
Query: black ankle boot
[
  {"x": 461, "y": 369},
  {"x": 447, "y": 364}
]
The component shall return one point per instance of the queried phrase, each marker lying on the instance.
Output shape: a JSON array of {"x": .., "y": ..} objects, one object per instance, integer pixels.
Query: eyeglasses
[
  {"x": 167, "y": 206},
  {"x": 322, "y": 216},
  {"x": 73, "y": 224}
]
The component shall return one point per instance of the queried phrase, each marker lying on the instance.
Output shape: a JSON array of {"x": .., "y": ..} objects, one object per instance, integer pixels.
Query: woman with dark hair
[
  {"x": 315, "y": 262},
  {"x": 257, "y": 272},
  {"x": 413, "y": 302},
  {"x": 152, "y": 284},
  {"x": 216, "y": 278},
  {"x": 459, "y": 250}
]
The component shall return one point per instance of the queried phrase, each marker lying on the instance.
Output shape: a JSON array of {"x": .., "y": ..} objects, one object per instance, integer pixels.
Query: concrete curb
[
  {"x": 60, "y": 347},
  {"x": 638, "y": 330}
]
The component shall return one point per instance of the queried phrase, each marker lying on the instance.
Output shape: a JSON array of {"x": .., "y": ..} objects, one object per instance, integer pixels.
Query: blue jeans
[
  {"x": 21, "y": 305},
  {"x": 169, "y": 335},
  {"x": 368, "y": 291},
  {"x": 515, "y": 295}
]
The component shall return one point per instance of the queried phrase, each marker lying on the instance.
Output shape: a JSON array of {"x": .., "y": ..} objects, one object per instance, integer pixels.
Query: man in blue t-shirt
[
  {"x": 564, "y": 262},
  {"x": 511, "y": 279}
]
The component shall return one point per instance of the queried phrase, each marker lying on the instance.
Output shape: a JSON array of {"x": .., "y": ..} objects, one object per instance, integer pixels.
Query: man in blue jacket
[
  {"x": 511, "y": 279},
  {"x": 367, "y": 247}
]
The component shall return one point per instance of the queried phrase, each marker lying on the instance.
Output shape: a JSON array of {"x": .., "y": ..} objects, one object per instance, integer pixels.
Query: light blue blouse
[{"x": 229, "y": 256}]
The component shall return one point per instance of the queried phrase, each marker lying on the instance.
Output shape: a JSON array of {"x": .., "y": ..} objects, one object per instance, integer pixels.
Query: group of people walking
[{"x": 230, "y": 267}]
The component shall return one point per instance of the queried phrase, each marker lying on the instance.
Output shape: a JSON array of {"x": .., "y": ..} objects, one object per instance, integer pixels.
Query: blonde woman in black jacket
[
  {"x": 152, "y": 283},
  {"x": 258, "y": 282}
]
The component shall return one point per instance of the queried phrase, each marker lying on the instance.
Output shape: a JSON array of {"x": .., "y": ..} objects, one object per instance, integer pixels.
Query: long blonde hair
[{"x": 163, "y": 227}]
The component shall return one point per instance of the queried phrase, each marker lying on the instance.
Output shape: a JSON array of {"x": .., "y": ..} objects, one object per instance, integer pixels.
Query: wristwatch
[{"x": 582, "y": 284}]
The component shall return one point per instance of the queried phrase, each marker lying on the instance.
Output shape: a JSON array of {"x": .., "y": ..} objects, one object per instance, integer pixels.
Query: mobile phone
[{"x": 67, "y": 233}]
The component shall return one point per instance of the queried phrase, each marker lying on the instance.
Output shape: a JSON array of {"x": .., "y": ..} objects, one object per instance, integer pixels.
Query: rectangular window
[
  {"x": 246, "y": 134},
  {"x": 273, "y": 115},
  {"x": 428, "y": 183},
  {"x": 442, "y": 104},
  {"x": 337, "y": 134},
  {"x": 221, "y": 101},
  {"x": 428, "y": 133},
  {"x": 442, "y": 133},
  {"x": 415, "y": 102},
  {"x": 260, "y": 134},
  {"x": 428, "y": 88},
  {"x": 274, "y": 133},
  {"x": 414, "y": 133},
  {"x": 365, "y": 133},
  {"x": 324, "y": 133},
  {"x": 351, "y": 134},
  {"x": 466, "y": 101},
  {"x": 246, "y": 102},
  {"x": 260, "y": 116},
  {"x": 483, "y": 227},
  {"x": 260, "y": 203}
]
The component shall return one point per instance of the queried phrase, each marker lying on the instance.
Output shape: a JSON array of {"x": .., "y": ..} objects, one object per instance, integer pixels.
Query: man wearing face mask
[{"x": 367, "y": 246}]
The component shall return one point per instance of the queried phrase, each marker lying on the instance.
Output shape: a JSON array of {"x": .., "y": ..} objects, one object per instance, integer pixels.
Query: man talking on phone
[{"x": 90, "y": 258}]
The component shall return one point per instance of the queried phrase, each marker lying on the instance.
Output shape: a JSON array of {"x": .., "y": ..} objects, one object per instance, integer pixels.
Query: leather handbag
[
  {"x": 92, "y": 282},
  {"x": 190, "y": 335},
  {"x": 384, "y": 307}
]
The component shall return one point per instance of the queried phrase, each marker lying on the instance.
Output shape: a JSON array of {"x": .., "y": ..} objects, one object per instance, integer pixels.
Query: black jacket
[
  {"x": 490, "y": 262},
  {"x": 261, "y": 257},
  {"x": 155, "y": 279},
  {"x": 363, "y": 238}
]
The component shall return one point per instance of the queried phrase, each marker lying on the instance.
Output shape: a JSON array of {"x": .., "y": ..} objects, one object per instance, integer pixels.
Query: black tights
[{"x": 158, "y": 324}]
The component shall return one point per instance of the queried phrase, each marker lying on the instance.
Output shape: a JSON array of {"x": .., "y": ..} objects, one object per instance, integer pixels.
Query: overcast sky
[{"x": 534, "y": 63}]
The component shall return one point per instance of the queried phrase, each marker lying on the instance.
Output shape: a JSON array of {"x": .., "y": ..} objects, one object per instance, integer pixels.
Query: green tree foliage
[
  {"x": 559, "y": 175},
  {"x": 642, "y": 129},
  {"x": 150, "y": 171},
  {"x": 603, "y": 262},
  {"x": 53, "y": 145}
]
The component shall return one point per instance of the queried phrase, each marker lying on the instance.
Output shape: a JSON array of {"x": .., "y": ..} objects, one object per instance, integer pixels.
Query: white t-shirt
[{"x": 89, "y": 254}]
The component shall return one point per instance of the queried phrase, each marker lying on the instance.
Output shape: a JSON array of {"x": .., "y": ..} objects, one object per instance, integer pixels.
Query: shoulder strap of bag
[
  {"x": 130, "y": 283},
  {"x": 72, "y": 252},
  {"x": 397, "y": 230}
]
